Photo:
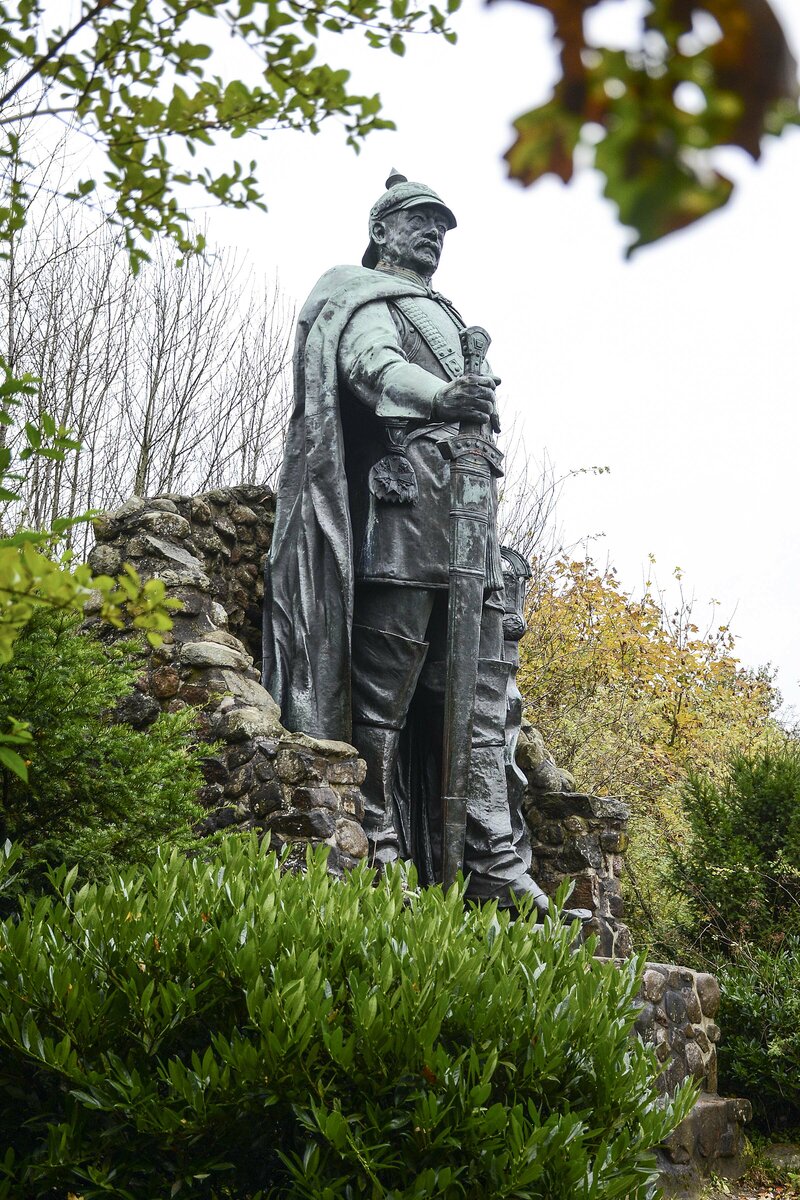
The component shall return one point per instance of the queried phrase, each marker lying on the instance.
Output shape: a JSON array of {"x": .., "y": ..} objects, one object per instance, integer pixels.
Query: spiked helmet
[{"x": 399, "y": 194}]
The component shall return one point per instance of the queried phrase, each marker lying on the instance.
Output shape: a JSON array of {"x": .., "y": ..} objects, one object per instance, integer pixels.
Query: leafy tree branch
[
  {"x": 131, "y": 77},
  {"x": 705, "y": 74}
]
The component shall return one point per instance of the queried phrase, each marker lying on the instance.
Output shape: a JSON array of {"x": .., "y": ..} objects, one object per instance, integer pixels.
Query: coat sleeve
[{"x": 374, "y": 367}]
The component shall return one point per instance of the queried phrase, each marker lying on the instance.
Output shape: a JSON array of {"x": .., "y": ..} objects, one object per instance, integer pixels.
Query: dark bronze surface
[
  {"x": 386, "y": 508},
  {"x": 473, "y": 461}
]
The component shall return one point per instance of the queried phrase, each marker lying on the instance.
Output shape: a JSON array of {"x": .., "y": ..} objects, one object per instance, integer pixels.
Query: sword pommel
[{"x": 475, "y": 341}]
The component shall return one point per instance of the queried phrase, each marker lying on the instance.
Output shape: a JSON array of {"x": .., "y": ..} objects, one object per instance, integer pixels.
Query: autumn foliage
[
  {"x": 704, "y": 74},
  {"x": 632, "y": 695}
]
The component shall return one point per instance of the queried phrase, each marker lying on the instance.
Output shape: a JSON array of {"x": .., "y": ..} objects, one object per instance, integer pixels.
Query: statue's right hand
[{"x": 468, "y": 398}]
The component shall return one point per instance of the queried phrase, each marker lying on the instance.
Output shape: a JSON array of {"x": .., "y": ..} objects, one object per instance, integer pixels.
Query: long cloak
[{"x": 308, "y": 601}]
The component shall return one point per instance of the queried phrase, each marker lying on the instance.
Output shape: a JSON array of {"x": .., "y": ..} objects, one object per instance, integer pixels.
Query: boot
[
  {"x": 498, "y": 853},
  {"x": 385, "y": 671}
]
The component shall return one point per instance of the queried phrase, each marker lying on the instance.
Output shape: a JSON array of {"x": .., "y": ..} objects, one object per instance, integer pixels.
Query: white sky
[{"x": 678, "y": 370}]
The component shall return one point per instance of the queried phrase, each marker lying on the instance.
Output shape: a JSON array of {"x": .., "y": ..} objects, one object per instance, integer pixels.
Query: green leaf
[
  {"x": 13, "y": 761},
  {"x": 33, "y": 435}
]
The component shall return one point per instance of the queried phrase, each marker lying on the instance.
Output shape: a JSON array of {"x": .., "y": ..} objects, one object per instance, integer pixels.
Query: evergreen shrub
[
  {"x": 741, "y": 868},
  {"x": 98, "y": 791},
  {"x": 741, "y": 873},
  {"x": 759, "y": 1056},
  {"x": 225, "y": 1028}
]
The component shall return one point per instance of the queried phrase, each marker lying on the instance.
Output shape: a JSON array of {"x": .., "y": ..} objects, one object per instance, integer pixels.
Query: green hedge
[
  {"x": 759, "y": 1057},
  {"x": 227, "y": 1029},
  {"x": 741, "y": 867}
]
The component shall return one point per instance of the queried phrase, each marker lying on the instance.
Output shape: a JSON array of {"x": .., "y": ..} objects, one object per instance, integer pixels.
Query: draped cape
[{"x": 308, "y": 595}]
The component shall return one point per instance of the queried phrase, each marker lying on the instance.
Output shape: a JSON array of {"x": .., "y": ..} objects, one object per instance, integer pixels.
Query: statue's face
[{"x": 412, "y": 238}]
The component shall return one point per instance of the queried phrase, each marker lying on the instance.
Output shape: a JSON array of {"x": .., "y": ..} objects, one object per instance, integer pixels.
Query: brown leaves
[
  {"x": 546, "y": 142},
  {"x": 653, "y": 145},
  {"x": 753, "y": 61}
]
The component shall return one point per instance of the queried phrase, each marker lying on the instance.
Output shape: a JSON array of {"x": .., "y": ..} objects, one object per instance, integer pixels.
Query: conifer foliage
[
  {"x": 96, "y": 791},
  {"x": 740, "y": 870},
  {"x": 741, "y": 866}
]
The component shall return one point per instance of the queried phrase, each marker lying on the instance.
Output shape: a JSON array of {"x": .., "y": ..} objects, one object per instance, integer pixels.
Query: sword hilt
[{"x": 475, "y": 341}]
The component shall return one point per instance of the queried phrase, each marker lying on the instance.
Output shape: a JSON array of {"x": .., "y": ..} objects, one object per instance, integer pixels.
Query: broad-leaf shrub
[
  {"x": 224, "y": 1029},
  {"x": 759, "y": 1056},
  {"x": 34, "y": 572}
]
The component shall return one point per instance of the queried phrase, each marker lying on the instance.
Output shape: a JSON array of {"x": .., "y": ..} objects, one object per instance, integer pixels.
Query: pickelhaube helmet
[{"x": 400, "y": 193}]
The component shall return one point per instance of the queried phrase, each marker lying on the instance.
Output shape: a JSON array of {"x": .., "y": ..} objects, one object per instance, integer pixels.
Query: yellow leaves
[
  {"x": 146, "y": 605},
  {"x": 630, "y": 693},
  {"x": 32, "y": 577}
]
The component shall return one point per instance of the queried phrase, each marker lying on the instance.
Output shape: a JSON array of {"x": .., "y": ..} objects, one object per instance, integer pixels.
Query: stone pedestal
[{"x": 677, "y": 1019}]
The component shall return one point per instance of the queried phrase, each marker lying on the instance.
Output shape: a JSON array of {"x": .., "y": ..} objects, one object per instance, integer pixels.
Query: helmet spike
[{"x": 394, "y": 178}]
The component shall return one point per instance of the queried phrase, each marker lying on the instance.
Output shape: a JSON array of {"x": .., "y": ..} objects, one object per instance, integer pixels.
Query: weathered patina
[{"x": 360, "y": 569}]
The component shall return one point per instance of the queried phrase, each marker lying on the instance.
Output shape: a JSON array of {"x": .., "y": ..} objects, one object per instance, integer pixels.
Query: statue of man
[{"x": 357, "y": 585}]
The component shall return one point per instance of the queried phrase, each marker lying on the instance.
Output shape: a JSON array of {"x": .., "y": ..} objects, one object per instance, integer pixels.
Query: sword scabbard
[{"x": 473, "y": 462}]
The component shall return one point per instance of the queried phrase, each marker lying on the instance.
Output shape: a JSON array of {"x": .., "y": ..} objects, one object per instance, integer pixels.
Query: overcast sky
[{"x": 678, "y": 370}]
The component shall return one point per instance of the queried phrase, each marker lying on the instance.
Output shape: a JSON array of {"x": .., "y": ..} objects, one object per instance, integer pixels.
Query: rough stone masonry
[{"x": 209, "y": 551}]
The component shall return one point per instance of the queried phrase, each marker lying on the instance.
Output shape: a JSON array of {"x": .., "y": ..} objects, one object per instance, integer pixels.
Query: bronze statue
[{"x": 356, "y": 620}]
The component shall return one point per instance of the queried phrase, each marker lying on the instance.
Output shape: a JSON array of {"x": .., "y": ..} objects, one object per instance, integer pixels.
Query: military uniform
[
  {"x": 394, "y": 357},
  {"x": 357, "y": 586},
  {"x": 388, "y": 368}
]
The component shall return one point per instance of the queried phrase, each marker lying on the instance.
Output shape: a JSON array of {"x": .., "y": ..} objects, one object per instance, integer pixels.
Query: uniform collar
[{"x": 412, "y": 277}]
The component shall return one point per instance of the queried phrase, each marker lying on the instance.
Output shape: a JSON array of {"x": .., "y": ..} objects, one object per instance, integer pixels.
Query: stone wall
[
  {"x": 223, "y": 536},
  {"x": 576, "y": 836},
  {"x": 209, "y": 550},
  {"x": 677, "y": 1019}
]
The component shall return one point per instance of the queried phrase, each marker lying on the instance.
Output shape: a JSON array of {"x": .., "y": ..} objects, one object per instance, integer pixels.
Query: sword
[{"x": 473, "y": 461}]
